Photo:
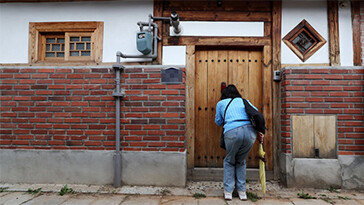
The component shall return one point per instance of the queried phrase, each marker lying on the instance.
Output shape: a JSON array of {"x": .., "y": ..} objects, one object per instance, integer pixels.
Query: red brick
[
  {"x": 138, "y": 144},
  {"x": 156, "y": 144},
  {"x": 168, "y": 115}
]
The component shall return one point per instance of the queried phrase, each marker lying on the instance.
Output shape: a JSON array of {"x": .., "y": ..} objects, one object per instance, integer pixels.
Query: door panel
[
  {"x": 201, "y": 124},
  {"x": 241, "y": 68}
]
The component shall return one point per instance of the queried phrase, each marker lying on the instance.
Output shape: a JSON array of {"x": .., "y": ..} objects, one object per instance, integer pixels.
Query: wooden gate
[{"x": 240, "y": 67}]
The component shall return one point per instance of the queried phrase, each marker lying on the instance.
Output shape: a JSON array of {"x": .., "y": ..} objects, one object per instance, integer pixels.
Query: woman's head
[{"x": 230, "y": 92}]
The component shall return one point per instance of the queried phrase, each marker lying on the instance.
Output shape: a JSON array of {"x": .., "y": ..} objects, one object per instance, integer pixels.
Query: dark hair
[{"x": 230, "y": 92}]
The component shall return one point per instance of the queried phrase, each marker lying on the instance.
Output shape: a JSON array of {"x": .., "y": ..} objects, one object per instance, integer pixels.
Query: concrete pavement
[{"x": 210, "y": 193}]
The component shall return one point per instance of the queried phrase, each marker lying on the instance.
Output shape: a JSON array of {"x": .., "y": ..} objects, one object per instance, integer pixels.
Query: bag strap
[{"x": 226, "y": 109}]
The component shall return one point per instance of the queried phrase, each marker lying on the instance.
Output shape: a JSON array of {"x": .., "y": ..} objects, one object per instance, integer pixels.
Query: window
[
  {"x": 65, "y": 42},
  {"x": 304, "y": 40}
]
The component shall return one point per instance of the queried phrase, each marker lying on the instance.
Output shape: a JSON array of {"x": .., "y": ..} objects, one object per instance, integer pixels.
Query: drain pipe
[
  {"x": 174, "y": 21},
  {"x": 120, "y": 93},
  {"x": 117, "y": 94}
]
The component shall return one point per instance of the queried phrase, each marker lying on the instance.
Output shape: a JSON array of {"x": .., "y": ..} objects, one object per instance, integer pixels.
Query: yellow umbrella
[{"x": 261, "y": 155}]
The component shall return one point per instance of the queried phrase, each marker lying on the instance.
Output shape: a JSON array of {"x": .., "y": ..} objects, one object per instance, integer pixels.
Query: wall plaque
[{"x": 172, "y": 75}]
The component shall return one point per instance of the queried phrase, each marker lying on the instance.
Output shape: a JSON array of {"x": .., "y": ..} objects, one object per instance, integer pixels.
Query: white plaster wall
[
  {"x": 346, "y": 35},
  {"x": 119, "y": 17},
  {"x": 206, "y": 28},
  {"x": 315, "y": 13},
  {"x": 174, "y": 55}
]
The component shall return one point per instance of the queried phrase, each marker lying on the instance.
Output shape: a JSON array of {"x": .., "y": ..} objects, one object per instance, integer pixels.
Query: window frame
[
  {"x": 304, "y": 26},
  {"x": 36, "y": 29}
]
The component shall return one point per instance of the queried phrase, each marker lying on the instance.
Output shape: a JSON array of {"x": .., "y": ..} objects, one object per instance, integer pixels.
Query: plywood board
[
  {"x": 303, "y": 136},
  {"x": 324, "y": 130}
]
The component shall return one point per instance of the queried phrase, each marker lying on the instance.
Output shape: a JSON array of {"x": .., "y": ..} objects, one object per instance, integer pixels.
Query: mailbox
[{"x": 144, "y": 42}]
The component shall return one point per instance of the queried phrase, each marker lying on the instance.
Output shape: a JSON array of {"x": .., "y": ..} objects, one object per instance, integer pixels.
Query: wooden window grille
[
  {"x": 65, "y": 42},
  {"x": 304, "y": 40}
]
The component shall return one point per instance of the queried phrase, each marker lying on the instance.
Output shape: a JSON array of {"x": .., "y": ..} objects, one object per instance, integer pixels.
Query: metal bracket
[
  {"x": 118, "y": 66},
  {"x": 120, "y": 94}
]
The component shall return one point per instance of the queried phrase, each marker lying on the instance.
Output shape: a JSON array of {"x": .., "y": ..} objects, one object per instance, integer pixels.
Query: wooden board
[
  {"x": 190, "y": 105},
  {"x": 355, "y": 10},
  {"x": 200, "y": 105},
  {"x": 221, "y": 16},
  {"x": 324, "y": 131},
  {"x": 242, "y": 68},
  {"x": 303, "y": 139},
  {"x": 211, "y": 5},
  {"x": 276, "y": 65},
  {"x": 217, "y": 73},
  {"x": 255, "y": 95}
]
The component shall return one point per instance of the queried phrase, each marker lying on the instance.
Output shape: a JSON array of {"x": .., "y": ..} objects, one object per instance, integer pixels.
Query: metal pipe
[
  {"x": 175, "y": 22},
  {"x": 117, "y": 162}
]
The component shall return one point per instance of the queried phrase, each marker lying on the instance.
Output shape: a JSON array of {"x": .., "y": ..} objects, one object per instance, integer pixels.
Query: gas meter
[{"x": 144, "y": 42}]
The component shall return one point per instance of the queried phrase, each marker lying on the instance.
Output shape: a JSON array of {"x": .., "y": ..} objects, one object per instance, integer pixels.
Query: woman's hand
[{"x": 260, "y": 137}]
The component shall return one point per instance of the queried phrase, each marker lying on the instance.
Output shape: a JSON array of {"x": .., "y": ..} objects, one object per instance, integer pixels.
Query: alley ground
[{"x": 209, "y": 193}]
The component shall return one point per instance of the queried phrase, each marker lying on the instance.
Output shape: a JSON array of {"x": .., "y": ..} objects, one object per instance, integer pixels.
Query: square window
[
  {"x": 65, "y": 42},
  {"x": 304, "y": 40}
]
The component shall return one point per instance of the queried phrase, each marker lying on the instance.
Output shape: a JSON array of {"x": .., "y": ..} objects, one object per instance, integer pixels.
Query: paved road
[{"x": 10, "y": 198}]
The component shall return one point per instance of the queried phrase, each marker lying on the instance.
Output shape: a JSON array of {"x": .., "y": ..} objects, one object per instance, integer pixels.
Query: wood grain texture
[
  {"x": 201, "y": 104},
  {"x": 255, "y": 95},
  {"x": 303, "y": 138},
  {"x": 211, "y": 5},
  {"x": 244, "y": 68},
  {"x": 217, "y": 73},
  {"x": 190, "y": 105},
  {"x": 37, "y": 41},
  {"x": 267, "y": 104},
  {"x": 333, "y": 20},
  {"x": 276, "y": 107},
  {"x": 324, "y": 130},
  {"x": 157, "y": 12},
  {"x": 355, "y": 11},
  {"x": 221, "y": 16},
  {"x": 216, "y": 41}
]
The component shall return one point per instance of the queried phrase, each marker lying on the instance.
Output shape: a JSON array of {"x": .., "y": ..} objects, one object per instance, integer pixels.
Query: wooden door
[{"x": 243, "y": 68}]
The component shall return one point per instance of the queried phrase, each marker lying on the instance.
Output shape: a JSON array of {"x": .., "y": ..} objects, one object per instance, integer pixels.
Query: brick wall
[
  {"x": 337, "y": 91},
  {"x": 73, "y": 108}
]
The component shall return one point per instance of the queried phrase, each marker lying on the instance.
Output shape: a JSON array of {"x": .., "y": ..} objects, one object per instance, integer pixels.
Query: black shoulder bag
[
  {"x": 222, "y": 141},
  {"x": 255, "y": 117}
]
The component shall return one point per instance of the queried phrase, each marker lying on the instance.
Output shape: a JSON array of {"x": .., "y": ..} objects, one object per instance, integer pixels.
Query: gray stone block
[
  {"x": 154, "y": 168},
  {"x": 316, "y": 173},
  {"x": 352, "y": 171},
  {"x": 92, "y": 167}
]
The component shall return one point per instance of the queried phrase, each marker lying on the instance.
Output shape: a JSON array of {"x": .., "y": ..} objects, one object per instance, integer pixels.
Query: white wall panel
[
  {"x": 174, "y": 55},
  {"x": 208, "y": 28},
  {"x": 119, "y": 17},
  {"x": 346, "y": 36},
  {"x": 315, "y": 13}
]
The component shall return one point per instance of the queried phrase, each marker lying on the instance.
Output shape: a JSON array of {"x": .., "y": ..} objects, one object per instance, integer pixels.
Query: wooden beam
[
  {"x": 333, "y": 20},
  {"x": 211, "y": 5},
  {"x": 220, "y": 16},
  {"x": 276, "y": 59},
  {"x": 157, "y": 11},
  {"x": 355, "y": 11},
  {"x": 190, "y": 104},
  {"x": 211, "y": 40},
  {"x": 267, "y": 103}
]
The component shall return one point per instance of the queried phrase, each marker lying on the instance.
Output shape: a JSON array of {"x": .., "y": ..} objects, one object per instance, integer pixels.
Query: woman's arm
[{"x": 218, "y": 117}]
